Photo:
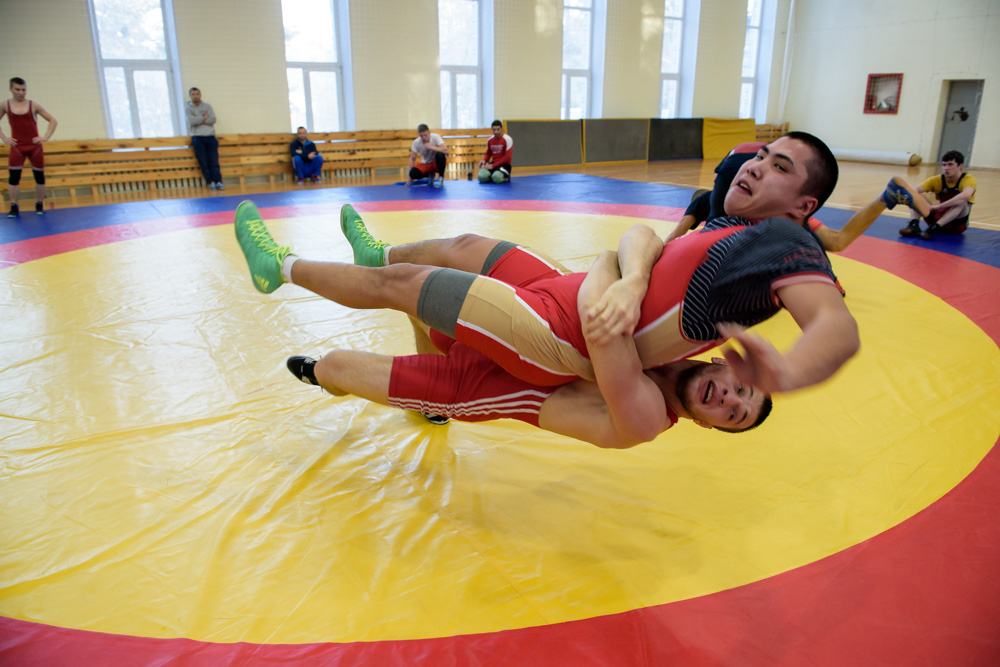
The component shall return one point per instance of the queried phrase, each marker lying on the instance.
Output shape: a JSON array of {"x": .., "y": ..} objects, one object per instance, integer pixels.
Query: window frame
[
  {"x": 672, "y": 76},
  {"x": 338, "y": 14},
  {"x": 752, "y": 80},
  {"x": 169, "y": 65},
  {"x": 453, "y": 71},
  {"x": 568, "y": 74}
]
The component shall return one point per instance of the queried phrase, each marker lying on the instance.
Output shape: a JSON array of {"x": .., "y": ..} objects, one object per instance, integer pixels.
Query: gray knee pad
[{"x": 441, "y": 299}]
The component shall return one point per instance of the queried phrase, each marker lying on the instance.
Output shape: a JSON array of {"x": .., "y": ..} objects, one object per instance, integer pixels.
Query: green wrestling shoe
[
  {"x": 368, "y": 250},
  {"x": 264, "y": 256}
]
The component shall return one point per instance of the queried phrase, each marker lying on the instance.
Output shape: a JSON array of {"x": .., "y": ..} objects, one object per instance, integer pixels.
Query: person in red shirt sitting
[{"x": 495, "y": 165}]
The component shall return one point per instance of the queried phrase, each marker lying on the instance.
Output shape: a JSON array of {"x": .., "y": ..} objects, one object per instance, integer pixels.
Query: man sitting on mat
[{"x": 956, "y": 193}]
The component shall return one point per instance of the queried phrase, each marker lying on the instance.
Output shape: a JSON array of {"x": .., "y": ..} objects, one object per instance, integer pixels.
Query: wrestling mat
[{"x": 170, "y": 494}]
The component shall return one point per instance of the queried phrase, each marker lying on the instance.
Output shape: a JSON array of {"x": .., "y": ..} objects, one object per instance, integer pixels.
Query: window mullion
[
  {"x": 307, "y": 91},
  {"x": 133, "y": 100},
  {"x": 129, "y": 68},
  {"x": 454, "y": 100}
]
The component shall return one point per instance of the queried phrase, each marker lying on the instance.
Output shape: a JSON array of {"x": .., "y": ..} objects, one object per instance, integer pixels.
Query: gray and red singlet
[{"x": 729, "y": 271}]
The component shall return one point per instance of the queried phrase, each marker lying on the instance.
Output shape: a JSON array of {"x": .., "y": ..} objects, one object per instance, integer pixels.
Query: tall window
[
  {"x": 458, "y": 41},
  {"x": 670, "y": 62},
  {"x": 751, "y": 50},
  {"x": 578, "y": 30},
  {"x": 136, "y": 64},
  {"x": 312, "y": 58}
]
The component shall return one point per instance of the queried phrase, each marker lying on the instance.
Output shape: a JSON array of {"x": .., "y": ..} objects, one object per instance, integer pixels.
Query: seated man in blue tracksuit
[{"x": 306, "y": 162}]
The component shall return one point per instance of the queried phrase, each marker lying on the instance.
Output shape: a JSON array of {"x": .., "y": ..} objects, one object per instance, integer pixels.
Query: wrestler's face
[
  {"x": 303, "y": 135},
  {"x": 497, "y": 131},
  {"x": 195, "y": 96},
  {"x": 951, "y": 170},
  {"x": 713, "y": 397},
  {"x": 769, "y": 185},
  {"x": 18, "y": 90},
  {"x": 425, "y": 136}
]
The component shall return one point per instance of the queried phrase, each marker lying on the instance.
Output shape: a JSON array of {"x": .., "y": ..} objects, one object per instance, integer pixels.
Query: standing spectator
[
  {"x": 432, "y": 150},
  {"x": 496, "y": 165},
  {"x": 25, "y": 143},
  {"x": 201, "y": 123},
  {"x": 956, "y": 193},
  {"x": 306, "y": 162}
]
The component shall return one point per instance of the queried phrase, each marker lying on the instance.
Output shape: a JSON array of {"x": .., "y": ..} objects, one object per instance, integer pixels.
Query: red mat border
[{"x": 923, "y": 592}]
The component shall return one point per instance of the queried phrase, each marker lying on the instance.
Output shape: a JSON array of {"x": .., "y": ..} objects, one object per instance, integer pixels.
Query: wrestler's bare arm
[
  {"x": 578, "y": 410},
  {"x": 829, "y": 338},
  {"x": 3, "y": 137},
  {"x": 683, "y": 227},
  {"x": 961, "y": 199},
  {"x": 50, "y": 118},
  {"x": 409, "y": 166},
  {"x": 635, "y": 404},
  {"x": 616, "y": 312}
]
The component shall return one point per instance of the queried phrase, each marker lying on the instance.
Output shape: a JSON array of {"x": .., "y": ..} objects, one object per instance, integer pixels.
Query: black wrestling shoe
[
  {"x": 39, "y": 208},
  {"x": 437, "y": 420},
  {"x": 303, "y": 368},
  {"x": 14, "y": 212},
  {"x": 911, "y": 230},
  {"x": 929, "y": 232}
]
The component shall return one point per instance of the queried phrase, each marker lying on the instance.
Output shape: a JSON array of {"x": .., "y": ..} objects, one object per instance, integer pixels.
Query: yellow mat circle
[{"x": 165, "y": 477}]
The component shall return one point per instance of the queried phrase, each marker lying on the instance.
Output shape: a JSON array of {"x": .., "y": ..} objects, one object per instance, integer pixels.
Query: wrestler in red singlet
[
  {"x": 25, "y": 142},
  {"x": 24, "y": 129}
]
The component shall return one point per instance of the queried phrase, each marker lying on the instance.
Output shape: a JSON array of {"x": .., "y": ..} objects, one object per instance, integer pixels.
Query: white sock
[
  {"x": 385, "y": 255},
  {"x": 286, "y": 267}
]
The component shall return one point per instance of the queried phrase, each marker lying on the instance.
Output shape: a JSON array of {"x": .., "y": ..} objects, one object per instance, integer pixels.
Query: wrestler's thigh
[{"x": 520, "y": 266}]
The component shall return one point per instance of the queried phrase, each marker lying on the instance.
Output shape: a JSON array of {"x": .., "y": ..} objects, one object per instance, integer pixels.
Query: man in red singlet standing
[{"x": 25, "y": 143}]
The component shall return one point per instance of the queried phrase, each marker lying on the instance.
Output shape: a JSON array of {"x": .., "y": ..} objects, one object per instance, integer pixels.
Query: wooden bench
[
  {"x": 771, "y": 131},
  {"x": 111, "y": 166},
  {"x": 107, "y": 168}
]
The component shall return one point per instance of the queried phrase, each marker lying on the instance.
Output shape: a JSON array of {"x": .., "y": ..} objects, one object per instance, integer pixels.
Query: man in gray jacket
[{"x": 201, "y": 124}]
